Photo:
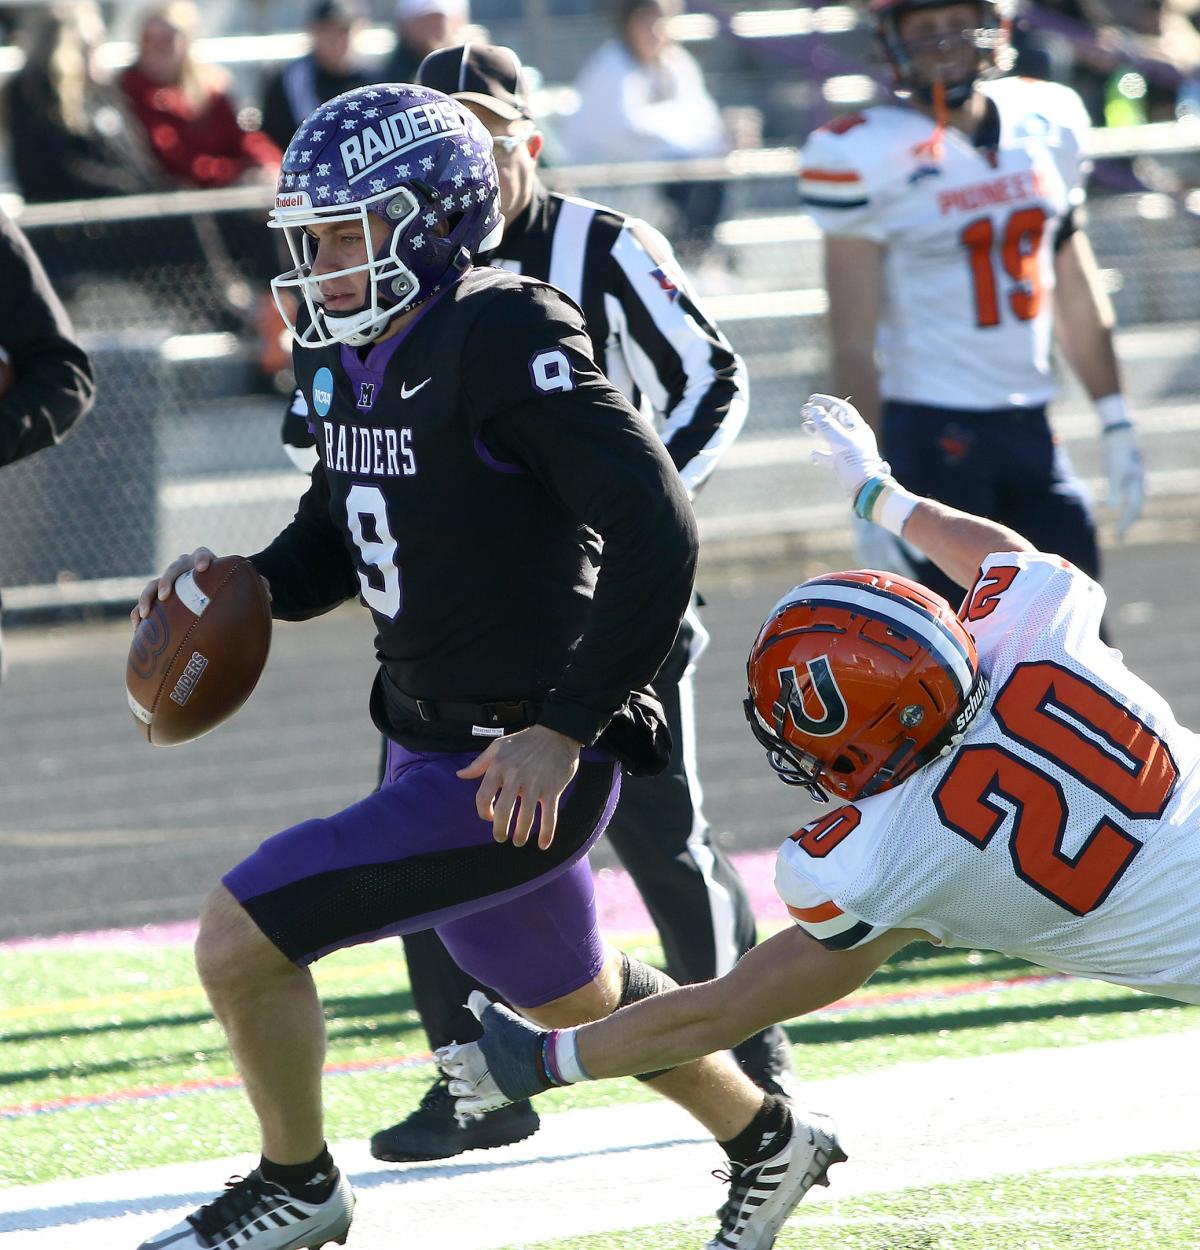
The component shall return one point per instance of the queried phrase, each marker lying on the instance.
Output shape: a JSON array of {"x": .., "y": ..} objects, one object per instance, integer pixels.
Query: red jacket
[{"x": 205, "y": 148}]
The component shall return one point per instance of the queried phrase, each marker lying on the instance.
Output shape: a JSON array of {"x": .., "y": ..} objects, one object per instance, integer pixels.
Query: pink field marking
[{"x": 618, "y": 903}]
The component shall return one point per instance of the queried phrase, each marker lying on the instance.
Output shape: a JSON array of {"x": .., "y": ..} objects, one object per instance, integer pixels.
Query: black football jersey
[{"x": 514, "y": 526}]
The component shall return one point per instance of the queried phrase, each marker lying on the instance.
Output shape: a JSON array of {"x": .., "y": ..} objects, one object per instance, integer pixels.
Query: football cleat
[
  {"x": 762, "y": 1195},
  {"x": 433, "y": 1132},
  {"x": 255, "y": 1214}
]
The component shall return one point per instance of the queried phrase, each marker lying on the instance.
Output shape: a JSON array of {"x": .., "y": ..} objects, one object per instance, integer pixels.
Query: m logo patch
[
  {"x": 832, "y": 714},
  {"x": 366, "y": 395}
]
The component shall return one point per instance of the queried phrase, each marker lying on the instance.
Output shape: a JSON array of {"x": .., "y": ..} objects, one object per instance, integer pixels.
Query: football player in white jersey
[
  {"x": 1004, "y": 782},
  {"x": 955, "y": 256}
]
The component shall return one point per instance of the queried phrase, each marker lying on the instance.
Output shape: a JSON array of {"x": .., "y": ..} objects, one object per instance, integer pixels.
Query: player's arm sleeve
[
  {"x": 810, "y": 906},
  {"x": 308, "y": 565},
  {"x": 540, "y": 402},
  {"x": 836, "y": 183},
  {"x": 54, "y": 385},
  {"x": 676, "y": 355}
]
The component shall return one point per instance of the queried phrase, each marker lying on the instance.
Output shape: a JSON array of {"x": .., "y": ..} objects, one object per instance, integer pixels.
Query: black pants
[
  {"x": 1004, "y": 465},
  {"x": 695, "y": 897}
]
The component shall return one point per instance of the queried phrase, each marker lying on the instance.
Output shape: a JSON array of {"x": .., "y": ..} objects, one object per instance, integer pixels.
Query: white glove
[
  {"x": 505, "y": 1058},
  {"x": 847, "y": 442},
  {"x": 470, "y": 1081},
  {"x": 1126, "y": 474},
  {"x": 875, "y": 548}
]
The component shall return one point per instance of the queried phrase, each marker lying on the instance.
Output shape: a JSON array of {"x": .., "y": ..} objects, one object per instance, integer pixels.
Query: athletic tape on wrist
[
  {"x": 885, "y": 502},
  {"x": 867, "y": 495},
  {"x": 1113, "y": 413},
  {"x": 561, "y": 1057}
]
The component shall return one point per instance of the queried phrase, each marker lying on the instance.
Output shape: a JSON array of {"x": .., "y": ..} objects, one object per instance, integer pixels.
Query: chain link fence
[{"x": 170, "y": 296}]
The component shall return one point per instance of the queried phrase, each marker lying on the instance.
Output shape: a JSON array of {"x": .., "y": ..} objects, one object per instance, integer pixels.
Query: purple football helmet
[{"x": 406, "y": 154}]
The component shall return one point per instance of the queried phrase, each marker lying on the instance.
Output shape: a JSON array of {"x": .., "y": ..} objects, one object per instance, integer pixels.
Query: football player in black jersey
[
  {"x": 654, "y": 342},
  {"x": 526, "y": 551}
]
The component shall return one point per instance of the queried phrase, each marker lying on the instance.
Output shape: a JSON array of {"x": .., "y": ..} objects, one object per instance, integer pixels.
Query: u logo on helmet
[{"x": 835, "y": 714}]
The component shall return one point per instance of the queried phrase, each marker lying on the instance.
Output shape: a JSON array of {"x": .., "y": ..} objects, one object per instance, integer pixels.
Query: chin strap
[{"x": 934, "y": 147}]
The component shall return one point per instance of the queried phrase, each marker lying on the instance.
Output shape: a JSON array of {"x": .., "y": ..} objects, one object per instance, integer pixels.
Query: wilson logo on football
[{"x": 189, "y": 678}]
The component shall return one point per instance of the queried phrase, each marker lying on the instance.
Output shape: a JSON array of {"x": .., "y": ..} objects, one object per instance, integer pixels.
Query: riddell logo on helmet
[
  {"x": 293, "y": 199},
  {"x": 400, "y": 132}
]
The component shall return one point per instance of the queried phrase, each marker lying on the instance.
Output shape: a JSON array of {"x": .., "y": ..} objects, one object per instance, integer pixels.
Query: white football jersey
[
  {"x": 969, "y": 238},
  {"x": 1066, "y": 828}
]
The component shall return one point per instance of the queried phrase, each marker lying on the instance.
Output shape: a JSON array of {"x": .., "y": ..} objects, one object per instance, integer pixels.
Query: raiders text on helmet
[
  {"x": 408, "y": 155},
  {"x": 859, "y": 679}
]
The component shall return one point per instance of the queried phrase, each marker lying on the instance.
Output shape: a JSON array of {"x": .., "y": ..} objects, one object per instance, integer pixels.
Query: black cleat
[{"x": 434, "y": 1132}]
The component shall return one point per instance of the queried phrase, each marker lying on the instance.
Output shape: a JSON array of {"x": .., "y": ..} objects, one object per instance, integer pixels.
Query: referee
[{"x": 654, "y": 344}]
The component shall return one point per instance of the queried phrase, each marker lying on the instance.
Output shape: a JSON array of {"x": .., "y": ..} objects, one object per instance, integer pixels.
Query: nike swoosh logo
[{"x": 405, "y": 393}]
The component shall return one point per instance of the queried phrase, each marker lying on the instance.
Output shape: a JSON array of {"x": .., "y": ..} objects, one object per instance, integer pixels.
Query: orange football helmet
[{"x": 857, "y": 680}]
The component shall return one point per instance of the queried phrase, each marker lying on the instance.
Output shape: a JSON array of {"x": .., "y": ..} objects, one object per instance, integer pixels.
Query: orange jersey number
[
  {"x": 1020, "y": 241},
  {"x": 820, "y": 836},
  {"x": 985, "y": 596},
  {"x": 1089, "y": 734}
]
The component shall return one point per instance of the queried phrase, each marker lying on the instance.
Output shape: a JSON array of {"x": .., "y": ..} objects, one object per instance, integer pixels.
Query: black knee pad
[{"x": 638, "y": 981}]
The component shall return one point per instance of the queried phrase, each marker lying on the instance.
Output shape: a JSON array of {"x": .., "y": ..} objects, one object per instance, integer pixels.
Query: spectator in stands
[
  {"x": 185, "y": 107},
  {"x": 423, "y": 26},
  {"x": 329, "y": 69},
  {"x": 642, "y": 97},
  {"x": 192, "y": 124},
  {"x": 70, "y": 134}
]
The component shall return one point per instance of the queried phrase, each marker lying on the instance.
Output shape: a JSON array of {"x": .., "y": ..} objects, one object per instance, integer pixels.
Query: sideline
[{"x": 910, "y": 1126}]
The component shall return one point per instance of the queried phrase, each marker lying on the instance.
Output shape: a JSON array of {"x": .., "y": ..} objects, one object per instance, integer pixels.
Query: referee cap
[{"x": 480, "y": 73}]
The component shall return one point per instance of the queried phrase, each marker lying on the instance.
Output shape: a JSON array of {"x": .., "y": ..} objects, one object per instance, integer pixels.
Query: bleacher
[{"x": 183, "y": 442}]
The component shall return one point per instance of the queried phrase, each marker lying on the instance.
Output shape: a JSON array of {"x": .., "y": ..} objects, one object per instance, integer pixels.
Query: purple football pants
[{"x": 415, "y": 855}]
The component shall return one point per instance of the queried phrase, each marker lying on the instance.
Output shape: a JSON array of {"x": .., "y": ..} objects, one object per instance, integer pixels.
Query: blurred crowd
[
  {"x": 75, "y": 125},
  {"x": 77, "y": 129}
]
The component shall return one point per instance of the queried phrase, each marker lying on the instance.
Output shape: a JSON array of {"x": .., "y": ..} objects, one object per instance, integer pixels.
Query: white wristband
[
  {"x": 894, "y": 508},
  {"x": 1112, "y": 412},
  {"x": 885, "y": 502},
  {"x": 567, "y": 1064}
]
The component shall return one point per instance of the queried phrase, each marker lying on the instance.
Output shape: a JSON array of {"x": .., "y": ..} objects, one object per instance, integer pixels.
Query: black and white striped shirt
[{"x": 649, "y": 335}]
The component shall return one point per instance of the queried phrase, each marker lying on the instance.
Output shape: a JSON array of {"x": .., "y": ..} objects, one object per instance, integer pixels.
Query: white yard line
[{"x": 589, "y": 1171}]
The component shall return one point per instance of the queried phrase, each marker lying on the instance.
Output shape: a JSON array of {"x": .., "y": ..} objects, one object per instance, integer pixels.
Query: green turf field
[
  {"x": 1145, "y": 1202},
  {"x": 110, "y": 1060}
]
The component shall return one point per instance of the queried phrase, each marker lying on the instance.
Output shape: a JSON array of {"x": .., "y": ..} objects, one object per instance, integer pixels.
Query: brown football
[{"x": 199, "y": 654}]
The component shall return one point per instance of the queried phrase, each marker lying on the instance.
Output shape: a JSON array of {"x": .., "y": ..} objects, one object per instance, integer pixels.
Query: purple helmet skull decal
[{"x": 405, "y": 155}]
